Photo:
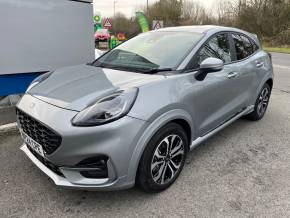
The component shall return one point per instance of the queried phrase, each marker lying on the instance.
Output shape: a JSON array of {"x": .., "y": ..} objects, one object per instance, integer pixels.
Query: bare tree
[
  {"x": 270, "y": 19},
  {"x": 193, "y": 12},
  {"x": 122, "y": 24}
]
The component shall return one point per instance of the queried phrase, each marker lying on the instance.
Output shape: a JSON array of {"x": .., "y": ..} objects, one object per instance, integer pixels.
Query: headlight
[
  {"x": 38, "y": 80},
  {"x": 107, "y": 109}
]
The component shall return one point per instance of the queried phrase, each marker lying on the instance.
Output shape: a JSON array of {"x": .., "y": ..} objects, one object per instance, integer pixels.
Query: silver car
[{"x": 132, "y": 115}]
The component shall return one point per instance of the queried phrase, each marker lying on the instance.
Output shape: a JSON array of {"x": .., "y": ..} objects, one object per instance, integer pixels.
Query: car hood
[{"x": 74, "y": 88}]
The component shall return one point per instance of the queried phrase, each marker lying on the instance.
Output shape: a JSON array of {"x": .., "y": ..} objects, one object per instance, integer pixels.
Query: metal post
[{"x": 115, "y": 8}]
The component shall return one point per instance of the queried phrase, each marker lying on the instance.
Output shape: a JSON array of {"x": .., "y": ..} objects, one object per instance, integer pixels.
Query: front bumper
[
  {"x": 116, "y": 140},
  {"x": 72, "y": 178}
]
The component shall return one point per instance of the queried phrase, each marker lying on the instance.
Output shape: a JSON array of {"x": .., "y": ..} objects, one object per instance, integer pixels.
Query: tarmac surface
[{"x": 243, "y": 171}]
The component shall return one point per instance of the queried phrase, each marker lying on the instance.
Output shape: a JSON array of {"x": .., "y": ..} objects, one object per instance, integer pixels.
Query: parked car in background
[
  {"x": 132, "y": 115},
  {"x": 102, "y": 38}
]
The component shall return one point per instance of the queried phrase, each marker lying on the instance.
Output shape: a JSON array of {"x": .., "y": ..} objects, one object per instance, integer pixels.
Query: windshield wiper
[
  {"x": 130, "y": 68},
  {"x": 157, "y": 70}
]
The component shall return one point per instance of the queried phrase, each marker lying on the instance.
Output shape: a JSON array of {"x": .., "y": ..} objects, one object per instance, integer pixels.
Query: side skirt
[{"x": 201, "y": 139}]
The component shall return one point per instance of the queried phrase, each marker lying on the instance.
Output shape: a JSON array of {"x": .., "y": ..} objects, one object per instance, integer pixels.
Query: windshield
[
  {"x": 102, "y": 31},
  {"x": 148, "y": 51}
]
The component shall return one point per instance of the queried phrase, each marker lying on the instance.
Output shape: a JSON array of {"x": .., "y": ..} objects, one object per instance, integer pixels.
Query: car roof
[
  {"x": 204, "y": 29},
  {"x": 199, "y": 28}
]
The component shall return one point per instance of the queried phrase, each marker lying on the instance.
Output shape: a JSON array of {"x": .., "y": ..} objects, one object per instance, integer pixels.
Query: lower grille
[
  {"x": 47, "y": 138},
  {"x": 48, "y": 164}
]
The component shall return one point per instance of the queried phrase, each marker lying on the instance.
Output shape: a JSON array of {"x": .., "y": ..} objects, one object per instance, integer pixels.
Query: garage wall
[{"x": 42, "y": 35}]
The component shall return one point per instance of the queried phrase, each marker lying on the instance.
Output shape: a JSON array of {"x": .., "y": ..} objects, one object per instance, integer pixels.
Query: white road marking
[
  {"x": 281, "y": 66},
  {"x": 8, "y": 127}
]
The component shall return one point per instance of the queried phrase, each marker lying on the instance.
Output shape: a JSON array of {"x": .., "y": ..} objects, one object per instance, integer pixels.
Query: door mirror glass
[{"x": 209, "y": 65}]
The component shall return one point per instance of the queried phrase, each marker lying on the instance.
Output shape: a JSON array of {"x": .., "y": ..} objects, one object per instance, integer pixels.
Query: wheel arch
[
  {"x": 178, "y": 116},
  {"x": 267, "y": 80},
  {"x": 186, "y": 127},
  {"x": 270, "y": 83}
]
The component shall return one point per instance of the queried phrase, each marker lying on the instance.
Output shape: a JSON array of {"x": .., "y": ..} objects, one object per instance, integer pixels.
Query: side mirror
[{"x": 209, "y": 65}]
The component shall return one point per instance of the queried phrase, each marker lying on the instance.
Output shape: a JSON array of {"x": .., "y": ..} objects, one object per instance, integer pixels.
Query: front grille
[
  {"x": 48, "y": 164},
  {"x": 47, "y": 138}
]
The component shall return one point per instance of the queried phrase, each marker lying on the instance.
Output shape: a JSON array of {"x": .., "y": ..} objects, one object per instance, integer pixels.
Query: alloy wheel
[
  {"x": 263, "y": 101},
  {"x": 167, "y": 159}
]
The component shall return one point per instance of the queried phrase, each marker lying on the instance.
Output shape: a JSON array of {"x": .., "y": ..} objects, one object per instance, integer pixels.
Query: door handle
[
  {"x": 259, "y": 64},
  {"x": 232, "y": 75}
]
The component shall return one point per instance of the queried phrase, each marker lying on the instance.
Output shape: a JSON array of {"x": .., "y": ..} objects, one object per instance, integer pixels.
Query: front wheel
[
  {"x": 261, "y": 104},
  {"x": 163, "y": 159}
]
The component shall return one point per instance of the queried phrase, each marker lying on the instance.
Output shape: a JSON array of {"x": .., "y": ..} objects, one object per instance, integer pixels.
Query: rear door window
[{"x": 244, "y": 46}]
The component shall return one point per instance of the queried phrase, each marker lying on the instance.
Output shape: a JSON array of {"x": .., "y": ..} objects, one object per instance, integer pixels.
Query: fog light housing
[
  {"x": 95, "y": 174},
  {"x": 94, "y": 167}
]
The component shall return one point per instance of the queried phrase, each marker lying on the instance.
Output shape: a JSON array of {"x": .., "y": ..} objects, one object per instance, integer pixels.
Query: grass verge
[{"x": 278, "y": 49}]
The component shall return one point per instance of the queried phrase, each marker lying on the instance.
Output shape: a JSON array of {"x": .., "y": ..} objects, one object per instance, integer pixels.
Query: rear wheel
[
  {"x": 261, "y": 104},
  {"x": 163, "y": 159}
]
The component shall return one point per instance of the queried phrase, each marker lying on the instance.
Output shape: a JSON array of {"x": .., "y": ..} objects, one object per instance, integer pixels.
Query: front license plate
[{"x": 32, "y": 144}]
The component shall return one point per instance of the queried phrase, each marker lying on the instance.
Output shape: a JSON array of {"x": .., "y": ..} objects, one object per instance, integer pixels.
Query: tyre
[
  {"x": 163, "y": 159},
  {"x": 261, "y": 104}
]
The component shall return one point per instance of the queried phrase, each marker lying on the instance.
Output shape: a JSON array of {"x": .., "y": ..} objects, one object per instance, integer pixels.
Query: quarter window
[
  {"x": 244, "y": 47},
  {"x": 216, "y": 47}
]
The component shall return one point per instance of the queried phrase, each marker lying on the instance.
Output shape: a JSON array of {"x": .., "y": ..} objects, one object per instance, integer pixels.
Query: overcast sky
[{"x": 127, "y": 7}]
